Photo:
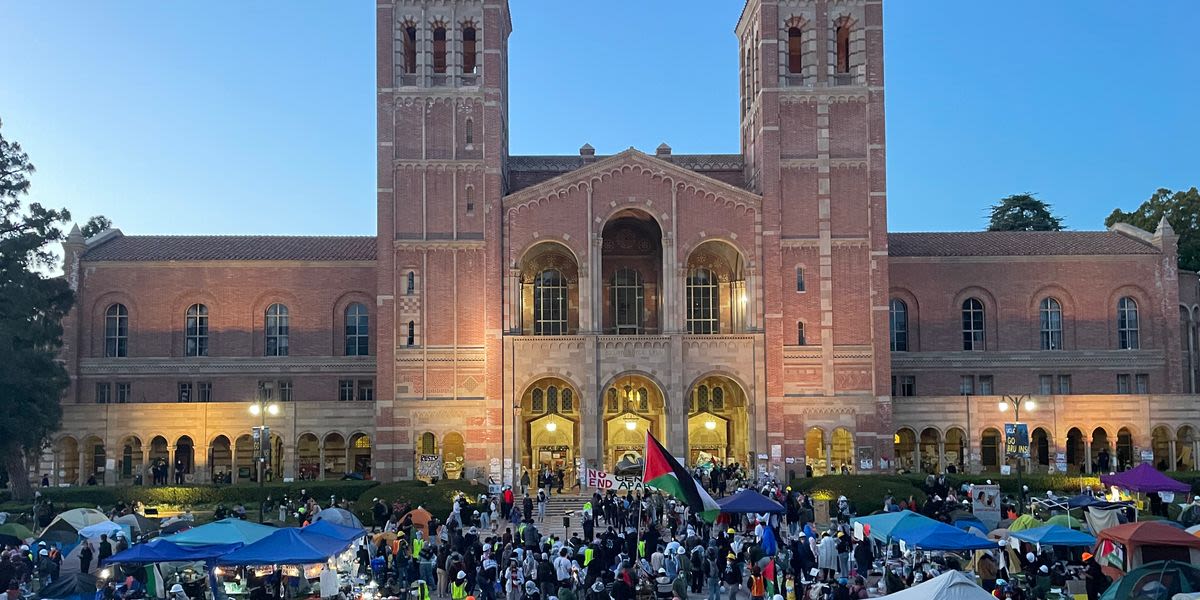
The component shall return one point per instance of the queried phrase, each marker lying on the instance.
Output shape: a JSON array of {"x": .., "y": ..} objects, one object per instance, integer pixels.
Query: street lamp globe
[
  {"x": 1003, "y": 406},
  {"x": 255, "y": 409},
  {"x": 273, "y": 409},
  {"x": 1030, "y": 404}
]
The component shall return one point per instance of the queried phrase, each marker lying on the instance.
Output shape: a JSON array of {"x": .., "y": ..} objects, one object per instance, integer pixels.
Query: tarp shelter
[
  {"x": 749, "y": 501},
  {"x": 286, "y": 547},
  {"x": 940, "y": 536},
  {"x": 1160, "y": 579},
  {"x": 225, "y": 531},
  {"x": 65, "y": 527},
  {"x": 1055, "y": 535},
  {"x": 1144, "y": 479},
  {"x": 333, "y": 530},
  {"x": 164, "y": 550},
  {"x": 76, "y": 586},
  {"x": 951, "y": 585},
  {"x": 420, "y": 519},
  {"x": 338, "y": 516},
  {"x": 1147, "y": 542},
  {"x": 139, "y": 524},
  {"x": 1024, "y": 522},
  {"x": 105, "y": 528},
  {"x": 884, "y": 526}
]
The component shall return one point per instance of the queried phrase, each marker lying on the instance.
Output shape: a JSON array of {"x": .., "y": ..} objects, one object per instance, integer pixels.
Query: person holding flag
[{"x": 663, "y": 472}]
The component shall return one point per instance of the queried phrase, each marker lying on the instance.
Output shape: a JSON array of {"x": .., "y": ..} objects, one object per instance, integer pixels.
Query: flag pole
[{"x": 637, "y": 544}]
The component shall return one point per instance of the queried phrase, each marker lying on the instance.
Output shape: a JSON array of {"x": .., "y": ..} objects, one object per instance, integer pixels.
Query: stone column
[
  {"x": 321, "y": 462},
  {"x": 514, "y": 300},
  {"x": 84, "y": 469},
  {"x": 201, "y": 469},
  {"x": 917, "y": 455},
  {"x": 1172, "y": 455},
  {"x": 290, "y": 462},
  {"x": 597, "y": 281},
  {"x": 941, "y": 446},
  {"x": 233, "y": 461},
  {"x": 171, "y": 464},
  {"x": 1087, "y": 455},
  {"x": 829, "y": 466},
  {"x": 145, "y": 463},
  {"x": 752, "y": 295},
  {"x": 669, "y": 305}
]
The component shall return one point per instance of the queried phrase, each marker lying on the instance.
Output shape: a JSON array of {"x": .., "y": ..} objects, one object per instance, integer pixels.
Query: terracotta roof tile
[
  {"x": 1015, "y": 243},
  {"x": 232, "y": 247}
]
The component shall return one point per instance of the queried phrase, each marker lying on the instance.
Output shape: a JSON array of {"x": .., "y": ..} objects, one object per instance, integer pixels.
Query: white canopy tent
[{"x": 952, "y": 585}]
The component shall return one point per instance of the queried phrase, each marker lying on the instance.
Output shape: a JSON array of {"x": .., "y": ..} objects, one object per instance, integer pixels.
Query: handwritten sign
[
  {"x": 429, "y": 465},
  {"x": 604, "y": 481}
]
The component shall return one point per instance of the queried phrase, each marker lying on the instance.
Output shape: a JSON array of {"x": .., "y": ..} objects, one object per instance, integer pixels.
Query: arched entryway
[
  {"x": 1124, "y": 449},
  {"x": 905, "y": 447},
  {"x": 990, "y": 447},
  {"x": 66, "y": 454},
  {"x": 550, "y": 438},
  {"x": 631, "y": 265},
  {"x": 718, "y": 426},
  {"x": 360, "y": 454},
  {"x": 815, "y": 456},
  {"x": 633, "y": 405},
  {"x": 308, "y": 455},
  {"x": 220, "y": 460},
  {"x": 842, "y": 451},
  {"x": 1102, "y": 455},
  {"x": 1077, "y": 459},
  {"x": 160, "y": 456},
  {"x": 131, "y": 459},
  {"x": 1039, "y": 447},
  {"x": 929, "y": 450},
  {"x": 185, "y": 456},
  {"x": 956, "y": 450},
  {"x": 1185, "y": 449},
  {"x": 715, "y": 291},
  {"x": 248, "y": 458},
  {"x": 454, "y": 455},
  {"x": 335, "y": 456}
]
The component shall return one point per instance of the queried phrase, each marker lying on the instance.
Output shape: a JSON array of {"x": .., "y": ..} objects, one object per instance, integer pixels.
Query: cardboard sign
[
  {"x": 985, "y": 503},
  {"x": 429, "y": 465},
  {"x": 604, "y": 481}
]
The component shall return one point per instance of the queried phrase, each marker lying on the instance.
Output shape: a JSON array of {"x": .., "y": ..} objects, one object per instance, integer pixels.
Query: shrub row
[
  {"x": 435, "y": 498},
  {"x": 191, "y": 495}
]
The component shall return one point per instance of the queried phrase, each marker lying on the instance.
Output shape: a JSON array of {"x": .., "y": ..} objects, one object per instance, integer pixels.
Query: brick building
[{"x": 519, "y": 311}]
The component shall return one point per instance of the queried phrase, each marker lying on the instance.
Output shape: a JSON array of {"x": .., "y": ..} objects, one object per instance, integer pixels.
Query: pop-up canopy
[
  {"x": 286, "y": 547},
  {"x": 940, "y": 536},
  {"x": 749, "y": 501},
  {"x": 1055, "y": 535},
  {"x": 1145, "y": 479},
  {"x": 885, "y": 526},
  {"x": 164, "y": 550},
  {"x": 951, "y": 585},
  {"x": 225, "y": 531},
  {"x": 333, "y": 530}
]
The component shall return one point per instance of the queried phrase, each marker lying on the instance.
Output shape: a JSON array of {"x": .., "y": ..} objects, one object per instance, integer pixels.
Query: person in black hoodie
[
  {"x": 864, "y": 556},
  {"x": 85, "y": 557},
  {"x": 104, "y": 549}
]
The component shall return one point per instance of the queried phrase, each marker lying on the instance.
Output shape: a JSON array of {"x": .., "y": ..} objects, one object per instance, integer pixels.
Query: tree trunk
[{"x": 18, "y": 474}]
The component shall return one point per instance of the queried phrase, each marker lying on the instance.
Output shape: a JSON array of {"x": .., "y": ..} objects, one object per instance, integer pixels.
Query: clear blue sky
[{"x": 258, "y": 117}]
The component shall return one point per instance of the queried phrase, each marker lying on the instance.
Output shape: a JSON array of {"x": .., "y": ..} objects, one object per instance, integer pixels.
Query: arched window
[
  {"x": 357, "y": 330},
  {"x": 550, "y": 303},
  {"x": 800, "y": 286},
  {"x": 703, "y": 303},
  {"x": 568, "y": 400},
  {"x": 439, "y": 49},
  {"x": 614, "y": 404},
  {"x": 843, "y": 48},
  {"x": 795, "y": 51},
  {"x": 412, "y": 334},
  {"x": 801, "y": 340},
  {"x": 643, "y": 400},
  {"x": 1127, "y": 324},
  {"x": 552, "y": 399},
  {"x": 410, "y": 287},
  {"x": 470, "y": 199},
  {"x": 116, "y": 331},
  {"x": 628, "y": 299},
  {"x": 898, "y": 324},
  {"x": 428, "y": 443},
  {"x": 972, "y": 324},
  {"x": 468, "y": 50},
  {"x": 195, "y": 331},
  {"x": 277, "y": 330},
  {"x": 469, "y": 134},
  {"x": 538, "y": 402},
  {"x": 1050, "y": 315},
  {"x": 702, "y": 398},
  {"x": 410, "y": 49},
  {"x": 718, "y": 398}
]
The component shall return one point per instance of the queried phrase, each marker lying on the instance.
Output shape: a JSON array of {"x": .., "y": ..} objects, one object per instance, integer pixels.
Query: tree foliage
[
  {"x": 95, "y": 225},
  {"x": 32, "y": 306},
  {"x": 1023, "y": 212},
  {"x": 1182, "y": 210}
]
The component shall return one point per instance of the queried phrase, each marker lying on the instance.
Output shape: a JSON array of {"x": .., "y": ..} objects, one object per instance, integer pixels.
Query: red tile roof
[
  {"x": 231, "y": 247},
  {"x": 1016, "y": 243}
]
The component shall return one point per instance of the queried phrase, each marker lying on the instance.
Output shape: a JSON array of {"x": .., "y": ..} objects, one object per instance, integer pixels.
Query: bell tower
[{"x": 442, "y": 89}]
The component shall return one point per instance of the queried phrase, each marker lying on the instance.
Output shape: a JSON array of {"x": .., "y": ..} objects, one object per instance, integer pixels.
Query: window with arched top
[
  {"x": 410, "y": 48},
  {"x": 718, "y": 398},
  {"x": 795, "y": 50},
  {"x": 468, "y": 50},
  {"x": 439, "y": 49},
  {"x": 538, "y": 401},
  {"x": 410, "y": 285},
  {"x": 703, "y": 303},
  {"x": 628, "y": 301},
  {"x": 550, "y": 303},
  {"x": 358, "y": 334},
  {"x": 469, "y": 132},
  {"x": 898, "y": 325},
  {"x": 643, "y": 400},
  {"x": 116, "y": 331},
  {"x": 428, "y": 443},
  {"x": 552, "y": 399},
  {"x": 276, "y": 328},
  {"x": 1127, "y": 324},
  {"x": 702, "y": 398},
  {"x": 195, "y": 331},
  {"x": 1050, "y": 318},
  {"x": 801, "y": 339},
  {"x": 412, "y": 334},
  {"x": 568, "y": 400},
  {"x": 843, "y": 47},
  {"x": 972, "y": 324},
  {"x": 614, "y": 403}
]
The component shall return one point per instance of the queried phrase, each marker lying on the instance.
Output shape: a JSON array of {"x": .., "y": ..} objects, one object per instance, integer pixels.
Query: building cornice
[{"x": 221, "y": 365}]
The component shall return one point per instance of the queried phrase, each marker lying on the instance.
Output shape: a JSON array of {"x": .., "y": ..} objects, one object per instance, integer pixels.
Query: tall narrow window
[
  {"x": 410, "y": 287},
  {"x": 628, "y": 300},
  {"x": 898, "y": 324},
  {"x": 277, "y": 330},
  {"x": 468, "y": 46},
  {"x": 439, "y": 49},
  {"x": 470, "y": 200},
  {"x": 550, "y": 303},
  {"x": 103, "y": 393},
  {"x": 195, "y": 331},
  {"x": 124, "y": 393},
  {"x": 801, "y": 340},
  {"x": 1127, "y": 324},
  {"x": 552, "y": 399},
  {"x": 1051, "y": 320},
  {"x": 116, "y": 331},
  {"x": 972, "y": 324},
  {"x": 795, "y": 51},
  {"x": 410, "y": 49},
  {"x": 412, "y": 334},
  {"x": 357, "y": 330},
  {"x": 843, "y": 48},
  {"x": 470, "y": 132},
  {"x": 703, "y": 306},
  {"x": 800, "y": 287}
]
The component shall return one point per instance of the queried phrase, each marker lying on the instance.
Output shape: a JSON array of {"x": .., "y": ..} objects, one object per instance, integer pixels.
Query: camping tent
[
  {"x": 1144, "y": 478},
  {"x": 1055, "y": 535},
  {"x": 105, "y": 527},
  {"x": 1145, "y": 542},
  {"x": 14, "y": 534},
  {"x": 338, "y": 516},
  {"x": 749, "y": 501},
  {"x": 884, "y": 526},
  {"x": 333, "y": 530},
  {"x": 77, "y": 586},
  {"x": 1066, "y": 521},
  {"x": 1155, "y": 580},
  {"x": 420, "y": 519},
  {"x": 65, "y": 527},
  {"x": 164, "y": 550},
  {"x": 951, "y": 585},
  {"x": 286, "y": 547},
  {"x": 137, "y": 523},
  {"x": 225, "y": 531},
  {"x": 940, "y": 536},
  {"x": 1024, "y": 522}
]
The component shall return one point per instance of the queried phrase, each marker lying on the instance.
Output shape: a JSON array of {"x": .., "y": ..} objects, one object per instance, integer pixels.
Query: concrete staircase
[{"x": 557, "y": 507}]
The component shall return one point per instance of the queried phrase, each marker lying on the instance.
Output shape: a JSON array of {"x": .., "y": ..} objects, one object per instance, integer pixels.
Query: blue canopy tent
[
  {"x": 966, "y": 522},
  {"x": 225, "y": 531},
  {"x": 286, "y": 547},
  {"x": 749, "y": 501},
  {"x": 1055, "y": 535},
  {"x": 164, "y": 550},
  {"x": 884, "y": 526},
  {"x": 940, "y": 536},
  {"x": 333, "y": 530}
]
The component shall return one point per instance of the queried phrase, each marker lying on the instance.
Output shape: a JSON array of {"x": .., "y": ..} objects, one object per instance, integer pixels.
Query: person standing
[
  {"x": 541, "y": 505},
  {"x": 85, "y": 557},
  {"x": 524, "y": 482}
]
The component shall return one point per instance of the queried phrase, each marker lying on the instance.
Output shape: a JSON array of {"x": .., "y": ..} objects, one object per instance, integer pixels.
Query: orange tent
[
  {"x": 421, "y": 518},
  {"x": 1146, "y": 542}
]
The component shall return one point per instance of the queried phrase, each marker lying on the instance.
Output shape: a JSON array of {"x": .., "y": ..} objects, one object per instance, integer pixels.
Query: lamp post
[
  {"x": 261, "y": 407},
  {"x": 1017, "y": 403}
]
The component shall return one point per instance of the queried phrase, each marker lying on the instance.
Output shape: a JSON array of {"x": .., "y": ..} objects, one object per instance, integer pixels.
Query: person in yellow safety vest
[
  {"x": 418, "y": 590},
  {"x": 417, "y": 544},
  {"x": 458, "y": 588},
  {"x": 641, "y": 548},
  {"x": 587, "y": 555}
]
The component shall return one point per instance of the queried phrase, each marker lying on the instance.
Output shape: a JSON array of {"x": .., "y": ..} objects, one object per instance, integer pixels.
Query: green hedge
[
  {"x": 193, "y": 495},
  {"x": 435, "y": 498},
  {"x": 865, "y": 492}
]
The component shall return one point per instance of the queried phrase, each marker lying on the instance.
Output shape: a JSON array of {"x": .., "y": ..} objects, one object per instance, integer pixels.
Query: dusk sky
[{"x": 256, "y": 117}]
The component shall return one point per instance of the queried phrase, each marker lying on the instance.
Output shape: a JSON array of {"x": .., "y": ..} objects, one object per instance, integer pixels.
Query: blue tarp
[
  {"x": 967, "y": 521},
  {"x": 749, "y": 501},
  {"x": 164, "y": 550},
  {"x": 286, "y": 547},
  {"x": 225, "y": 531},
  {"x": 1055, "y": 535},
  {"x": 940, "y": 536},
  {"x": 884, "y": 526},
  {"x": 333, "y": 530}
]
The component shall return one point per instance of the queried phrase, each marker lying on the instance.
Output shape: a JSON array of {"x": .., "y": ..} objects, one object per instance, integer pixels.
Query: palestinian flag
[
  {"x": 154, "y": 582},
  {"x": 662, "y": 471}
]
